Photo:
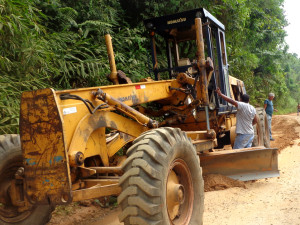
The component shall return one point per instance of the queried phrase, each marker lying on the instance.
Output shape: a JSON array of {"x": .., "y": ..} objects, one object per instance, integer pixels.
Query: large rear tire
[
  {"x": 162, "y": 183},
  {"x": 261, "y": 129},
  {"x": 265, "y": 127},
  {"x": 10, "y": 160},
  {"x": 258, "y": 131}
]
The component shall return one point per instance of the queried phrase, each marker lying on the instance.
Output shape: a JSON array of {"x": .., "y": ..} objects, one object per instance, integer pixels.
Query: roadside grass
[
  {"x": 64, "y": 210},
  {"x": 105, "y": 202}
]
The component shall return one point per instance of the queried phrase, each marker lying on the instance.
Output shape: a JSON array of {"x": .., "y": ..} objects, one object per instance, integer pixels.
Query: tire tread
[{"x": 145, "y": 159}]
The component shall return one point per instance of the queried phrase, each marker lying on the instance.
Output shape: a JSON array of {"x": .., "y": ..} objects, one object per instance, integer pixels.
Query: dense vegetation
[{"x": 60, "y": 44}]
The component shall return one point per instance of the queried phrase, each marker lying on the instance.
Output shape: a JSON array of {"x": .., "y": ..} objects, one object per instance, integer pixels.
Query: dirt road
[{"x": 274, "y": 201}]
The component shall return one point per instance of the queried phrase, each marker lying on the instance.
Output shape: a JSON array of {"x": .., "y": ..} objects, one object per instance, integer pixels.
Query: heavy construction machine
[{"x": 149, "y": 143}]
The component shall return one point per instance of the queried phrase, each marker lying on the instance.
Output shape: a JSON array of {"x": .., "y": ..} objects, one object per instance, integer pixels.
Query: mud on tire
[
  {"x": 10, "y": 160},
  {"x": 162, "y": 183}
]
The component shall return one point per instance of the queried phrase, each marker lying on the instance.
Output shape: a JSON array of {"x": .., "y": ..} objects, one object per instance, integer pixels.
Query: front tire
[
  {"x": 162, "y": 183},
  {"x": 10, "y": 160}
]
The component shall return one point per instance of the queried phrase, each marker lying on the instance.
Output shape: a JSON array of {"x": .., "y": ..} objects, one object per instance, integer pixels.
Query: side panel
[{"x": 42, "y": 140}]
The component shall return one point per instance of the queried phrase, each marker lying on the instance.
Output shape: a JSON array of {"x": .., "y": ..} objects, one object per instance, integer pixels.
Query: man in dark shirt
[{"x": 268, "y": 106}]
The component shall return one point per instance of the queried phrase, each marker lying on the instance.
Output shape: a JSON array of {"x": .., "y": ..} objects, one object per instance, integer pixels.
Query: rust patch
[
  {"x": 113, "y": 125},
  {"x": 125, "y": 137},
  {"x": 45, "y": 161},
  {"x": 34, "y": 153}
]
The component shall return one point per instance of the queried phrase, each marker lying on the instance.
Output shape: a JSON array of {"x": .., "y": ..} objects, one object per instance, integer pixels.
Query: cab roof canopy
[{"x": 181, "y": 26}]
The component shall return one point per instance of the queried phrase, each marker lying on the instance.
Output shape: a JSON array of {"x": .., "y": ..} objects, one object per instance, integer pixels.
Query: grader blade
[{"x": 242, "y": 164}]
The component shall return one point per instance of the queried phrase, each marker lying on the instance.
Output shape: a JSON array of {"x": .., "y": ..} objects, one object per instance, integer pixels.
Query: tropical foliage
[{"x": 60, "y": 44}]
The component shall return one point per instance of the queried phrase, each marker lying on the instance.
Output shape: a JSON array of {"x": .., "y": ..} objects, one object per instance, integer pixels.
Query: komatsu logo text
[
  {"x": 176, "y": 21},
  {"x": 132, "y": 98}
]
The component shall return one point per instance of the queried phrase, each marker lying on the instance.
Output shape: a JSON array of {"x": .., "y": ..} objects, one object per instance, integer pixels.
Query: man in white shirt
[{"x": 245, "y": 119}]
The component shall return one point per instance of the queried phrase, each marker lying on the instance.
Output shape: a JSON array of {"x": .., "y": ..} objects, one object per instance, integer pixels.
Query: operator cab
[{"x": 173, "y": 48}]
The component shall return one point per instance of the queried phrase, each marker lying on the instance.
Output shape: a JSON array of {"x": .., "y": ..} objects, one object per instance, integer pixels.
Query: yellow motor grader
[{"x": 149, "y": 143}]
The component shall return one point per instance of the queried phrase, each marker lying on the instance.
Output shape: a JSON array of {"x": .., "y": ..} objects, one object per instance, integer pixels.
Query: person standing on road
[
  {"x": 245, "y": 119},
  {"x": 268, "y": 106},
  {"x": 298, "y": 109}
]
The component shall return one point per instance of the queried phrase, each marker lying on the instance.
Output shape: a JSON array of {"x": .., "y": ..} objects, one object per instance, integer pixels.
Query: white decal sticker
[{"x": 71, "y": 110}]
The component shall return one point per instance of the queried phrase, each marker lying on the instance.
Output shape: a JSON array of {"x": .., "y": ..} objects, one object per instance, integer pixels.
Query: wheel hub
[
  {"x": 179, "y": 193},
  {"x": 12, "y": 209}
]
